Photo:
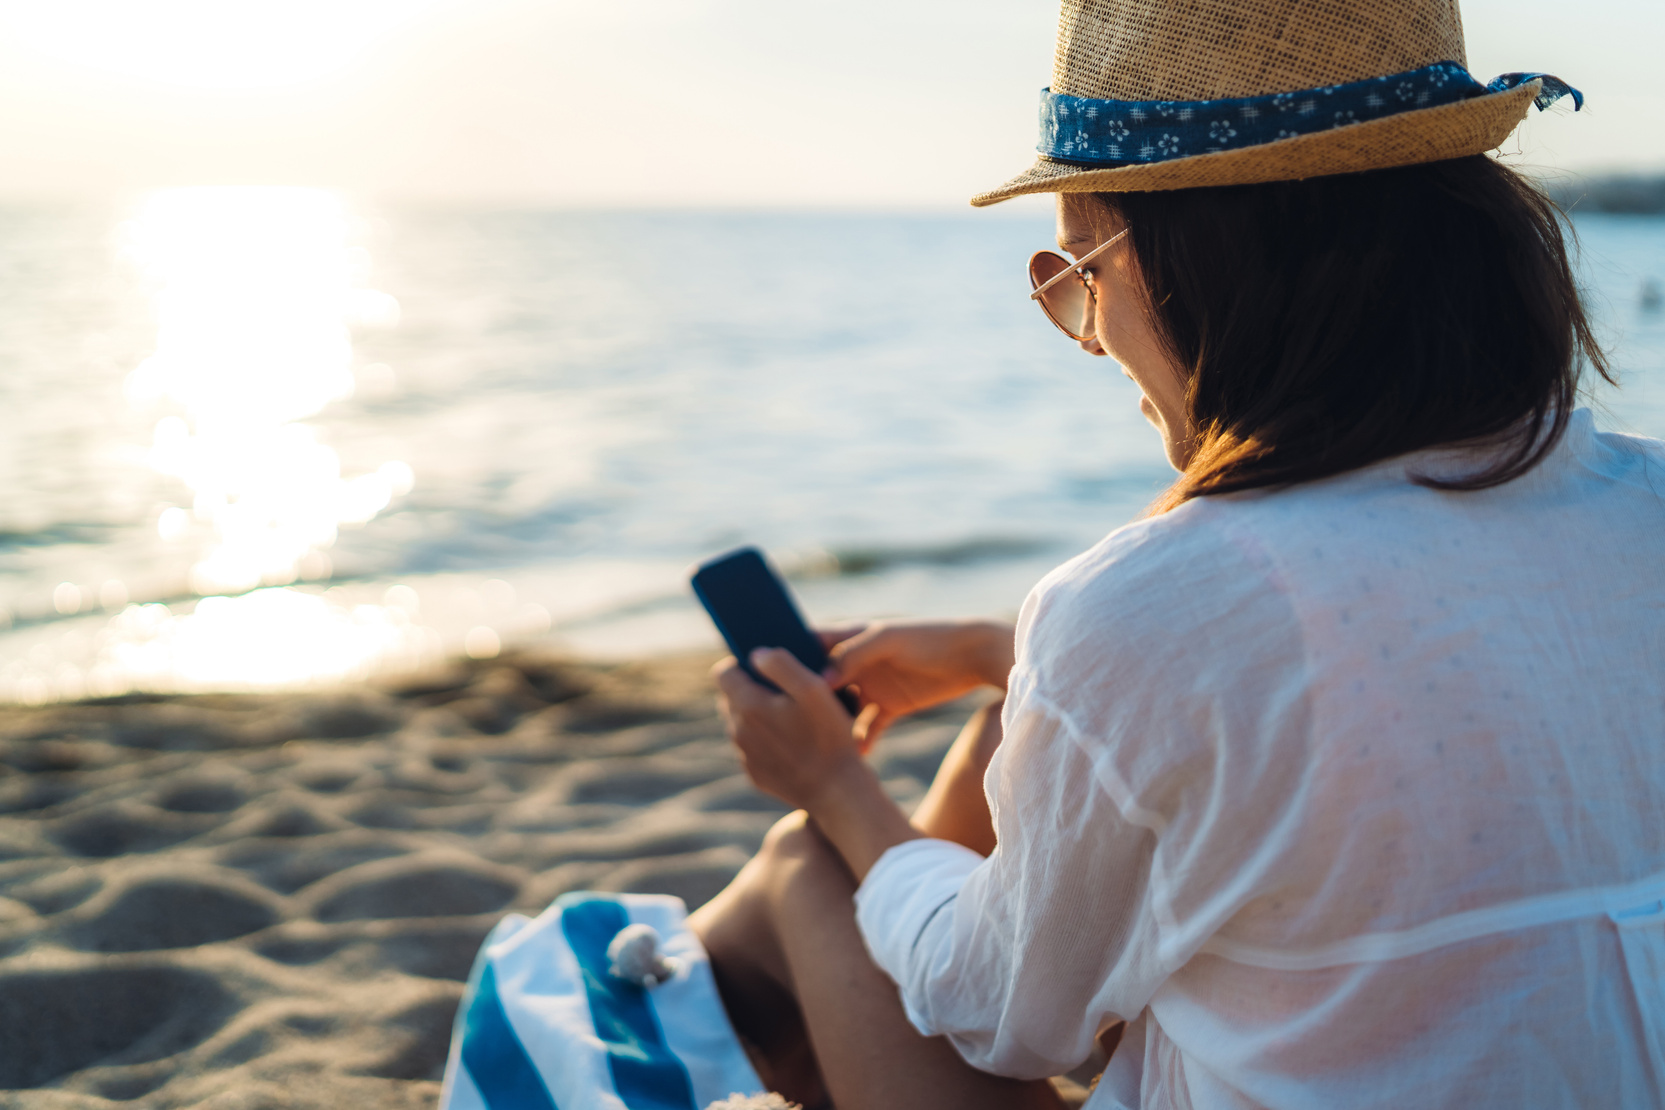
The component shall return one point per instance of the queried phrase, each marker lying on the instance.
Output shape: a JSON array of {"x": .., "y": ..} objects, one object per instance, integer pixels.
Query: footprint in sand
[
  {"x": 287, "y": 867},
  {"x": 413, "y": 888},
  {"x": 126, "y": 827},
  {"x": 56, "y": 1022},
  {"x": 173, "y": 911},
  {"x": 203, "y": 796}
]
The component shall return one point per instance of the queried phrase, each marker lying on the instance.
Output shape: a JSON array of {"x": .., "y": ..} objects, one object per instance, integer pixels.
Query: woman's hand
[
  {"x": 792, "y": 742},
  {"x": 797, "y": 745},
  {"x": 904, "y": 667}
]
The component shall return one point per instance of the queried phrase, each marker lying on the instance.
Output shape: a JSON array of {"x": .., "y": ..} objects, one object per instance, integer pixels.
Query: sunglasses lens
[{"x": 1066, "y": 303}]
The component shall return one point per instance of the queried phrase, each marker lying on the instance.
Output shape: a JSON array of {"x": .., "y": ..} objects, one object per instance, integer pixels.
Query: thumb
[
  {"x": 870, "y": 726},
  {"x": 796, "y": 681},
  {"x": 831, "y": 637},
  {"x": 849, "y": 657}
]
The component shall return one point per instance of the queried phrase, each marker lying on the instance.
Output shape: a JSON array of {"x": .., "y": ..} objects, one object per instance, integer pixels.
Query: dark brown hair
[{"x": 1331, "y": 323}]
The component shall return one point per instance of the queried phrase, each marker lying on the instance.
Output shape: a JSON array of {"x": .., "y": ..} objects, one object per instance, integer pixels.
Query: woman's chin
[{"x": 1178, "y": 456}]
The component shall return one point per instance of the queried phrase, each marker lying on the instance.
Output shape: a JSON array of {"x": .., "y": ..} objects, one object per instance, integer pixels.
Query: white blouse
[{"x": 1350, "y": 794}]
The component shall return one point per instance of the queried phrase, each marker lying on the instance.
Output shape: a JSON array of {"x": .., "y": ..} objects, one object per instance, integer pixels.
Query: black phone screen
[{"x": 752, "y": 609}]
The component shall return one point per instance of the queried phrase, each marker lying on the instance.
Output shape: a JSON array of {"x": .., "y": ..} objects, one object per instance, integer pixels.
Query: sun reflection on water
[
  {"x": 256, "y": 290},
  {"x": 267, "y": 638}
]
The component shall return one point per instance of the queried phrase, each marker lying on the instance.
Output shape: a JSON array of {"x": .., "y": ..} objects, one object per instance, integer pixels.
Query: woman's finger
[
  {"x": 848, "y": 658},
  {"x": 796, "y": 681},
  {"x": 736, "y": 687},
  {"x": 830, "y": 637},
  {"x": 871, "y": 725}
]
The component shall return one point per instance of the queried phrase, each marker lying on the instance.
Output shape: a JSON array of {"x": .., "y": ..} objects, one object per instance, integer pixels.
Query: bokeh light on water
[{"x": 256, "y": 294}]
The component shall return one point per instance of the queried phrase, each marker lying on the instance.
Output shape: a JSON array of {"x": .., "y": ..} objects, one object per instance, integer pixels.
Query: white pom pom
[
  {"x": 634, "y": 957},
  {"x": 769, "y": 1101}
]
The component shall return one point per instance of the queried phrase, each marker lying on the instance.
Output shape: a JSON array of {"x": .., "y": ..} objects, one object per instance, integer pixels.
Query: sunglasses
[{"x": 1063, "y": 291}]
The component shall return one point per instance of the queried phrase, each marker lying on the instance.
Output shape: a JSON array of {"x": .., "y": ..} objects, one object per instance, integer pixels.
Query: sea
[{"x": 269, "y": 438}]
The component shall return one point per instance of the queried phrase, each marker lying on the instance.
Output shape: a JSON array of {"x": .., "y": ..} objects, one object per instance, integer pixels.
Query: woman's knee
[
  {"x": 794, "y": 852},
  {"x": 794, "y": 839}
]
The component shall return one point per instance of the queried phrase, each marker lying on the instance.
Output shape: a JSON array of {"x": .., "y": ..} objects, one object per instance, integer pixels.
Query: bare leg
[
  {"x": 798, "y": 983},
  {"x": 955, "y": 808},
  {"x": 739, "y": 933},
  {"x": 797, "y": 979}
]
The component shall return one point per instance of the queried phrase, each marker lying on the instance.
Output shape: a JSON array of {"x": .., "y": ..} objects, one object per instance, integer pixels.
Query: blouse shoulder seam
[
  {"x": 1119, "y": 792},
  {"x": 1121, "y": 796}
]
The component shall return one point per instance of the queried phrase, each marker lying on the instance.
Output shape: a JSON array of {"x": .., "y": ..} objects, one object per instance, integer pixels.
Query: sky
[{"x": 652, "y": 103}]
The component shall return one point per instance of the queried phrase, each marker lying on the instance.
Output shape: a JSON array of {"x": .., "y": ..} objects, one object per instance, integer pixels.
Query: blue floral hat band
[{"x": 1110, "y": 133}]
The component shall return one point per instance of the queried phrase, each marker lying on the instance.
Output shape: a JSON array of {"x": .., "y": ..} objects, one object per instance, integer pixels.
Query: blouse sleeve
[
  {"x": 1147, "y": 675},
  {"x": 1022, "y": 958}
]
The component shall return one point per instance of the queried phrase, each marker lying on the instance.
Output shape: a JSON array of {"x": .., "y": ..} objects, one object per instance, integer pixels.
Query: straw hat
[{"x": 1175, "y": 94}]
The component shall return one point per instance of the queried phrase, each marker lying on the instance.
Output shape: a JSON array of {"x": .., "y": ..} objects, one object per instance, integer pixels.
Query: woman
[{"x": 1335, "y": 778}]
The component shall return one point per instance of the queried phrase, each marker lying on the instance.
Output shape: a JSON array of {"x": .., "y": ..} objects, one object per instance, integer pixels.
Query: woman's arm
[
  {"x": 797, "y": 745},
  {"x": 905, "y": 667},
  {"x": 801, "y": 746}
]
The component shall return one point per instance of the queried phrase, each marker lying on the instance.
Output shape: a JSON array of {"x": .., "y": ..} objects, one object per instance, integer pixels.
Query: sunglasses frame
[{"x": 1076, "y": 269}]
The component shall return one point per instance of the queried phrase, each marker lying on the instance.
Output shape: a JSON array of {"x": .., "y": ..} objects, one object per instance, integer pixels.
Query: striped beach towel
[{"x": 562, "y": 1014}]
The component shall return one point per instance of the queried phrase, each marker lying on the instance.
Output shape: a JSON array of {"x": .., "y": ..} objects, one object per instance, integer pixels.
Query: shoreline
[
  {"x": 311, "y": 638},
  {"x": 274, "y": 899}
]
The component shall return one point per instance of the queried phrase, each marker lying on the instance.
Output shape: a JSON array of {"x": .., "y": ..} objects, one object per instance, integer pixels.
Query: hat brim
[{"x": 1424, "y": 135}]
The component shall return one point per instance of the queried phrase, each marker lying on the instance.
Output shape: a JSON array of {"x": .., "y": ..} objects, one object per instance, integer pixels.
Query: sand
[{"x": 273, "y": 901}]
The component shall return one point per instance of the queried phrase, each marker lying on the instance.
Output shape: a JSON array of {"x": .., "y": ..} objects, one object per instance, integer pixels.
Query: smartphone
[{"x": 751, "y": 607}]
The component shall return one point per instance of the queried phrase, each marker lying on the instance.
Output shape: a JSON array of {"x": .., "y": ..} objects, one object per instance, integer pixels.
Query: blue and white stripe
[{"x": 544, "y": 1026}]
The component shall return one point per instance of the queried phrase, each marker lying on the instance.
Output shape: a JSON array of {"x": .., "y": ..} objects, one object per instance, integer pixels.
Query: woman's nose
[{"x": 1091, "y": 345}]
